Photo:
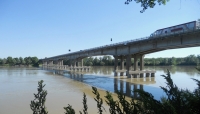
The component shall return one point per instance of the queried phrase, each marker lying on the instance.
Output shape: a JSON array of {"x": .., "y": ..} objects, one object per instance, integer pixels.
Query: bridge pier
[
  {"x": 122, "y": 70},
  {"x": 135, "y": 65},
  {"x": 128, "y": 65},
  {"x": 50, "y": 64},
  {"x": 115, "y": 65},
  {"x": 141, "y": 65},
  {"x": 44, "y": 63},
  {"x": 60, "y": 64},
  {"x": 121, "y": 65}
]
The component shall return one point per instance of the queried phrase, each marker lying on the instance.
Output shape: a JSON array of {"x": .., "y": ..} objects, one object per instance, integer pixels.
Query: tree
[
  {"x": 102, "y": 63},
  {"x": 14, "y": 61},
  {"x": 145, "y": 4},
  {"x": 34, "y": 60},
  {"x": 96, "y": 61},
  {"x": 17, "y": 60},
  {"x": 38, "y": 104},
  {"x": 22, "y": 62},
  {"x": 4, "y": 61},
  {"x": 9, "y": 60},
  {"x": 28, "y": 60},
  {"x": 1, "y": 61},
  {"x": 191, "y": 60},
  {"x": 173, "y": 61},
  {"x": 88, "y": 61}
]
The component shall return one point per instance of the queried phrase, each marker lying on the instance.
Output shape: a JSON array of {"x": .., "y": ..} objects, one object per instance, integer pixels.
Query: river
[{"x": 17, "y": 86}]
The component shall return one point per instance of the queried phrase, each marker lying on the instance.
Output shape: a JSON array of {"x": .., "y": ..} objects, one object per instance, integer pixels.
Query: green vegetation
[
  {"x": 38, "y": 104},
  {"x": 178, "y": 101},
  {"x": 9, "y": 61},
  {"x": 145, "y": 4},
  {"x": 109, "y": 61},
  {"x": 106, "y": 61}
]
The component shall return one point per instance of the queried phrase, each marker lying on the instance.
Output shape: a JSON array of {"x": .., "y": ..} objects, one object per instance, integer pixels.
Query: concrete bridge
[{"x": 126, "y": 50}]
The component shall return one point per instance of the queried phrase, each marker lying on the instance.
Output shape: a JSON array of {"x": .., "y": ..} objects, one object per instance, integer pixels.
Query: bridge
[{"x": 126, "y": 50}]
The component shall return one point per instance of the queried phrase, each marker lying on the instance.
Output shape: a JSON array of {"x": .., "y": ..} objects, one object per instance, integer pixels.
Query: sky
[{"x": 46, "y": 28}]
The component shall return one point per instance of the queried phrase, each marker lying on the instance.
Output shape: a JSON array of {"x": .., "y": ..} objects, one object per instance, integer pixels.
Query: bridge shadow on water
[{"x": 113, "y": 84}]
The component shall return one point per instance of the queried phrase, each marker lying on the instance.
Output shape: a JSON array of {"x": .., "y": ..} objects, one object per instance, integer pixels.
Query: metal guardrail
[
  {"x": 131, "y": 41},
  {"x": 143, "y": 38}
]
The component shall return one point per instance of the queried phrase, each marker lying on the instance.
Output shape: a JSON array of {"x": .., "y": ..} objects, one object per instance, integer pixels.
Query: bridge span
[{"x": 126, "y": 50}]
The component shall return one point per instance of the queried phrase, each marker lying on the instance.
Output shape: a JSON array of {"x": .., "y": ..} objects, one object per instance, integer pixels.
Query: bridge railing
[
  {"x": 135, "y": 40},
  {"x": 144, "y": 38}
]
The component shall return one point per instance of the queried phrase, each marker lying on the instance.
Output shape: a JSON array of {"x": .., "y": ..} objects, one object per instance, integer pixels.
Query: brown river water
[{"x": 17, "y": 86}]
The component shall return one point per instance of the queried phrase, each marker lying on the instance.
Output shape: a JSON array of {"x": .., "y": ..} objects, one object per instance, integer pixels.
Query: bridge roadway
[{"x": 126, "y": 50}]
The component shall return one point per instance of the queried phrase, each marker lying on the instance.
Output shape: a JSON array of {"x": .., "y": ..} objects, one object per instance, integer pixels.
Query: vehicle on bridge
[{"x": 193, "y": 25}]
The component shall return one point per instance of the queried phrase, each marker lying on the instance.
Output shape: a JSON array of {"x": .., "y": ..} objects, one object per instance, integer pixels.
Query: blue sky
[{"x": 46, "y": 28}]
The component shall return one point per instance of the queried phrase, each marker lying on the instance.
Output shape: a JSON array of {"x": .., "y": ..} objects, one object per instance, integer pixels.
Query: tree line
[
  {"x": 10, "y": 61},
  {"x": 109, "y": 61},
  {"x": 106, "y": 61}
]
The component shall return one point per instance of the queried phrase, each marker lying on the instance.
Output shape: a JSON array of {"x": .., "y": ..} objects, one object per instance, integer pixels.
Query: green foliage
[
  {"x": 145, "y": 4},
  {"x": 28, "y": 60},
  {"x": 189, "y": 60},
  {"x": 69, "y": 110},
  {"x": 38, "y": 104},
  {"x": 85, "y": 107},
  {"x": 181, "y": 101},
  {"x": 20, "y": 61},
  {"x": 34, "y": 61},
  {"x": 9, "y": 60},
  {"x": 98, "y": 100}
]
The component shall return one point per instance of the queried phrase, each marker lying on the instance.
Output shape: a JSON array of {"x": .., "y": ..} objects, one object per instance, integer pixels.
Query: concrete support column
[
  {"x": 81, "y": 62},
  {"x": 121, "y": 65},
  {"x": 115, "y": 65},
  {"x": 141, "y": 62},
  {"x": 56, "y": 64},
  {"x": 74, "y": 63},
  {"x": 48, "y": 63},
  {"x": 52, "y": 63},
  {"x": 71, "y": 63},
  {"x": 44, "y": 63},
  {"x": 135, "y": 62},
  {"x": 122, "y": 62},
  {"x": 60, "y": 63},
  {"x": 141, "y": 65},
  {"x": 128, "y": 65},
  {"x": 135, "y": 65}
]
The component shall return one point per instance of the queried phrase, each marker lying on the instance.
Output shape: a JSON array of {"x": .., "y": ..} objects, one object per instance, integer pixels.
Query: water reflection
[
  {"x": 106, "y": 70},
  {"x": 103, "y": 77},
  {"x": 189, "y": 70},
  {"x": 18, "y": 71},
  {"x": 127, "y": 88},
  {"x": 114, "y": 84}
]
